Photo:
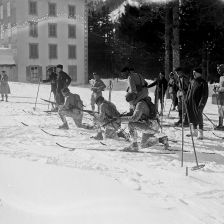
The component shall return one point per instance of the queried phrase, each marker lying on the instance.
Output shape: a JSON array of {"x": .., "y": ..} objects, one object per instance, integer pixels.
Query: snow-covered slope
[{"x": 41, "y": 182}]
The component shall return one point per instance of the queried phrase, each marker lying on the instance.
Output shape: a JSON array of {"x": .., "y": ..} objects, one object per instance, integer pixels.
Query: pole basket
[
  {"x": 198, "y": 167},
  {"x": 218, "y": 99}
]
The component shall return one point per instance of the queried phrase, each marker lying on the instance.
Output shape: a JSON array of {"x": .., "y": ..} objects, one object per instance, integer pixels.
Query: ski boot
[
  {"x": 99, "y": 136},
  {"x": 64, "y": 126},
  {"x": 132, "y": 148},
  {"x": 164, "y": 141}
]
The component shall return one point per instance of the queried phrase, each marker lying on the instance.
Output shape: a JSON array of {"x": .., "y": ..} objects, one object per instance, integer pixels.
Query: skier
[
  {"x": 97, "y": 86},
  {"x": 183, "y": 83},
  {"x": 73, "y": 107},
  {"x": 109, "y": 118},
  {"x": 53, "y": 80},
  {"x": 172, "y": 89},
  {"x": 196, "y": 99},
  {"x": 4, "y": 86},
  {"x": 161, "y": 86},
  {"x": 136, "y": 82},
  {"x": 63, "y": 81},
  {"x": 220, "y": 98},
  {"x": 145, "y": 120}
]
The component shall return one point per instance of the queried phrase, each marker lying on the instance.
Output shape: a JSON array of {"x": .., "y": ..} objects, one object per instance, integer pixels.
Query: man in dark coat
[
  {"x": 183, "y": 83},
  {"x": 53, "y": 80},
  {"x": 196, "y": 99},
  {"x": 161, "y": 86},
  {"x": 63, "y": 81}
]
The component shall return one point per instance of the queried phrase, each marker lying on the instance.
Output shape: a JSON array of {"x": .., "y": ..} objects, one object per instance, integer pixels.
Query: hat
[
  {"x": 60, "y": 66},
  {"x": 130, "y": 96},
  {"x": 198, "y": 70},
  {"x": 65, "y": 90},
  {"x": 99, "y": 99}
]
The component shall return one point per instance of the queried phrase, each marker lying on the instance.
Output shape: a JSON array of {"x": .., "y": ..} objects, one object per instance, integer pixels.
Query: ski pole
[
  {"x": 209, "y": 120},
  {"x": 37, "y": 94},
  {"x": 49, "y": 101}
]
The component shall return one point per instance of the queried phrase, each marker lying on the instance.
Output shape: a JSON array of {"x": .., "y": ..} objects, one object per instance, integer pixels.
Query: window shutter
[
  {"x": 40, "y": 72},
  {"x": 28, "y": 74}
]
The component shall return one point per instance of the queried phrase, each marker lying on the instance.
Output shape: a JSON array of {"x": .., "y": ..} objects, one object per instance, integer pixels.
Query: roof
[{"x": 6, "y": 57}]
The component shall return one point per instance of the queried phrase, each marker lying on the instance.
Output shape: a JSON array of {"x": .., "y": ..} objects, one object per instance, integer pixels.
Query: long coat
[
  {"x": 196, "y": 99},
  {"x": 4, "y": 85},
  {"x": 63, "y": 80}
]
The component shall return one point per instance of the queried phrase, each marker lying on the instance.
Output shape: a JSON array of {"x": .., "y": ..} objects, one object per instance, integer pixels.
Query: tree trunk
[{"x": 176, "y": 35}]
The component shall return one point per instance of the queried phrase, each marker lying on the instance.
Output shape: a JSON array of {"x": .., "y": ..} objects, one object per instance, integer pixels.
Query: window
[
  {"x": 33, "y": 73},
  {"x": 71, "y": 31},
  {"x": 1, "y": 11},
  {"x": 1, "y": 31},
  {"x": 33, "y": 26},
  {"x": 9, "y": 30},
  {"x": 52, "y": 30},
  {"x": 32, "y": 7},
  {"x": 8, "y": 9},
  {"x": 72, "y": 51},
  {"x": 72, "y": 72},
  {"x": 53, "y": 51},
  {"x": 71, "y": 11},
  {"x": 33, "y": 51},
  {"x": 52, "y": 9}
]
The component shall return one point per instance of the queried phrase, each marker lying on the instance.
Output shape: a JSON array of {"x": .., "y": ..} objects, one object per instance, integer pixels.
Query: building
[{"x": 44, "y": 33}]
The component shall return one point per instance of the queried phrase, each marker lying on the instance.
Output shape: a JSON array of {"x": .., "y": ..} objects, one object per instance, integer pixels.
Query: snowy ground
[{"x": 41, "y": 182}]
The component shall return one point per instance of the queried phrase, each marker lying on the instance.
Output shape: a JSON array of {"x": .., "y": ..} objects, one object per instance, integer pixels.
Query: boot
[
  {"x": 178, "y": 123},
  {"x": 220, "y": 126},
  {"x": 164, "y": 141},
  {"x": 99, "y": 136},
  {"x": 64, "y": 126},
  {"x": 200, "y": 136},
  {"x": 132, "y": 148}
]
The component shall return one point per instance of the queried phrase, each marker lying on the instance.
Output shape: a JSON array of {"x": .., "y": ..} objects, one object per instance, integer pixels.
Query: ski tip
[
  {"x": 197, "y": 167},
  {"x": 24, "y": 124}
]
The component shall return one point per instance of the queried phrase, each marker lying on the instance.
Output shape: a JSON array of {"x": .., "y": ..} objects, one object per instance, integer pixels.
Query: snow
[{"x": 41, "y": 182}]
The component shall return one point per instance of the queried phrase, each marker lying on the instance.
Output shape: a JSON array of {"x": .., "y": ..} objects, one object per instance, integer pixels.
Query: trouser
[
  {"x": 110, "y": 130},
  {"x": 59, "y": 98},
  {"x": 182, "y": 110},
  {"x": 174, "y": 99},
  {"x": 148, "y": 128},
  {"x": 76, "y": 115},
  {"x": 6, "y": 96},
  {"x": 159, "y": 97},
  {"x": 94, "y": 96},
  {"x": 199, "y": 122}
]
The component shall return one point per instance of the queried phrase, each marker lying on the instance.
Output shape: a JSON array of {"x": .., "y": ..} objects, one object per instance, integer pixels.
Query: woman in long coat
[{"x": 4, "y": 86}]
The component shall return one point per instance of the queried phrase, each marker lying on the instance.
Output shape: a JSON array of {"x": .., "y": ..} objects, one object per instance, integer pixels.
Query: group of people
[
  {"x": 4, "y": 86},
  {"x": 189, "y": 97}
]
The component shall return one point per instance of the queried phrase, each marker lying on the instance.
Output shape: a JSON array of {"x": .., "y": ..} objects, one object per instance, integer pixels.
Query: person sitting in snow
[
  {"x": 73, "y": 107},
  {"x": 196, "y": 99},
  {"x": 145, "y": 120},
  {"x": 220, "y": 98},
  {"x": 97, "y": 86},
  {"x": 109, "y": 118}
]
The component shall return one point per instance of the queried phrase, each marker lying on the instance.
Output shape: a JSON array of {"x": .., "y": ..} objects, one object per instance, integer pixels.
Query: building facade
[{"x": 44, "y": 33}]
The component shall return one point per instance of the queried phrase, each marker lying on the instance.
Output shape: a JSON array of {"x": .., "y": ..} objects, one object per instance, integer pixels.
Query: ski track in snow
[{"x": 157, "y": 177}]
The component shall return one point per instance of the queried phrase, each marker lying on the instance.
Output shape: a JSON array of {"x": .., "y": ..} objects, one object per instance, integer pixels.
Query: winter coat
[
  {"x": 182, "y": 84},
  {"x": 63, "y": 81},
  {"x": 73, "y": 101},
  {"x": 172, "y": 86},
  {"x": 4, "y": 85},
  {"x": 196, "y": 98},
  {"x": 161, "y": 86},
  {"x": 53, "y": 80},
  {"x": 97, "y": 87}
]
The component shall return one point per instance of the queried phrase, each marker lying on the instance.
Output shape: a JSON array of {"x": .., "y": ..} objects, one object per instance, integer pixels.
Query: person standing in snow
[
  {"x": 53, "y": 80},
  {"x": 109, "y": 118},
  {"x": 172, "y": 89},
  {"x": 196, "y": 100},
  {"x": 73, "y": 107},
  {"x": 183, "y": 83},
  {"x": 145, "y": 120},
  {"x": 161, "y": 86},
  {"x": 4, "y": 86},
  {"x": 63, "y": 81},
  {"x": 97, "y": 86},
  {"x": 220, "y": 98}
]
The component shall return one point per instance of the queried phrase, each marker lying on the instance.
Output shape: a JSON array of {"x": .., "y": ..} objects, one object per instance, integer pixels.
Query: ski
[
  {"x": 48, "y": 101},
  {"x": 24, "y": 124},
  {"x": 218, "y": 136},
  {"x": 54, "y": 135},
  {"x": 117, "y": 150}
]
